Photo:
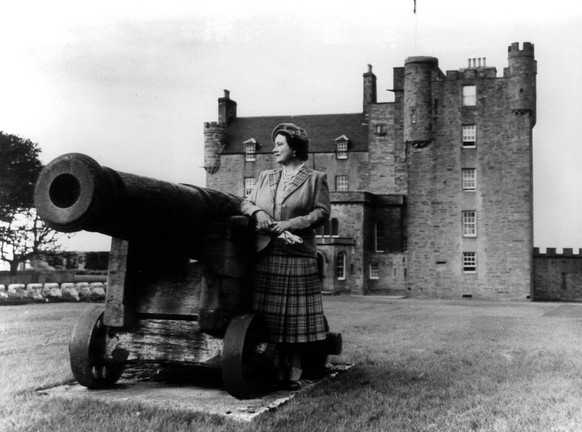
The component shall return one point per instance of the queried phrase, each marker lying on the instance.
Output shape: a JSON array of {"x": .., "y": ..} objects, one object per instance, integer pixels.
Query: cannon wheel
[
  {"x": 315, "y": 358},
  {"x": 87, "y": 350},
  {"x": 241, "y": 371}
]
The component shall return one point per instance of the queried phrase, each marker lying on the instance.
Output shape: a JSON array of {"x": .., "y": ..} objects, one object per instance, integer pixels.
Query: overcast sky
[{"x": 131, "y": 83}]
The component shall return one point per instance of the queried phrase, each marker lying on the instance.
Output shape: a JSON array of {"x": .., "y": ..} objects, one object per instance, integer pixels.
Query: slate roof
[{"x": 322, "y": 130}]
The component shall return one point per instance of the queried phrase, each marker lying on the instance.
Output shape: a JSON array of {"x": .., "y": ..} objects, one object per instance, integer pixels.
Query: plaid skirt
[{"x": 287, "y": 293}]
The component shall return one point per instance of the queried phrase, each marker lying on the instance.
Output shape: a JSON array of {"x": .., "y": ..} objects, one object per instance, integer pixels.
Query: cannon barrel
[{"x": 74, "y": 193}]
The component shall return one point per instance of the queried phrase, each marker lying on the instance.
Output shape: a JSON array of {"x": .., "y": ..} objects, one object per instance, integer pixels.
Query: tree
[
  {"x": 24, "y": 237},
  {"x": 20, "y": 167},
  {"x": 22, "y": 234}
]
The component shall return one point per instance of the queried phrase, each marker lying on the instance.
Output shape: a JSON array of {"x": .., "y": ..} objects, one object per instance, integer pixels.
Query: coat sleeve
[
  {"x": 249, "y": 206},
  {"x": 321, "y": 207}
]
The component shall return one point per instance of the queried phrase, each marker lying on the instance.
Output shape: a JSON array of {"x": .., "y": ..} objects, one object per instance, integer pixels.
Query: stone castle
[{"x": 432, "y": 194}]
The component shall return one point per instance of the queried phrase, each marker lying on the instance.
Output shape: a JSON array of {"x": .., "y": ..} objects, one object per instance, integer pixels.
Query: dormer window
[
  {"x": 250, "y": 150},
  {"x": 341, "y": 144}
]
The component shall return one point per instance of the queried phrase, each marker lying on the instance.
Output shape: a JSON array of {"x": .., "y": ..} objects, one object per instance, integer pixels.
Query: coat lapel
[
  {"x": 297, "y": 181},
  {"x": 274, "y": 177}
]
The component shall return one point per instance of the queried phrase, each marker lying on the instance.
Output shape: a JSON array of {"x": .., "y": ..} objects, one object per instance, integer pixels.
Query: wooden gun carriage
[{"x": 179, "y": 280}]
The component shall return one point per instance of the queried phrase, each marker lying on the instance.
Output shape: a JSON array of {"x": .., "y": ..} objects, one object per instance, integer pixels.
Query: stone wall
[
  {"x": 387, "y": 167},
  {"x": 37, "y": 276},
  {"x": 502, "y": 200},
  {"x": 350, "y": 213},
  {"x": 557, "y": 277}
]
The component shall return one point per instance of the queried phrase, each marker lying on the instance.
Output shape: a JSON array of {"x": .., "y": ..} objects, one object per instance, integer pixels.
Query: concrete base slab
[
  {"x": 187, "y": 397},
  {"x": 565, "y": 311}
]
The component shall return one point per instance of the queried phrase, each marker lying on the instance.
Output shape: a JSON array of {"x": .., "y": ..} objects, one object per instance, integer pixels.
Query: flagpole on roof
[{"x": 415, "y": 30}]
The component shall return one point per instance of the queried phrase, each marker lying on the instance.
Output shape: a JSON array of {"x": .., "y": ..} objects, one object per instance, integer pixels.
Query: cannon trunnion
[{"x": 179, "y": 281}]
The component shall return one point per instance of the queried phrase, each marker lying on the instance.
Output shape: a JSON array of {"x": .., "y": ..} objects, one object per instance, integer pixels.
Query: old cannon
[{"x": 179, "y": 280}]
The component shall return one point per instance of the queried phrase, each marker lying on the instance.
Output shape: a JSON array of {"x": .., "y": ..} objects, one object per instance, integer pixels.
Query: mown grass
[{"x": 420, "y": 366}]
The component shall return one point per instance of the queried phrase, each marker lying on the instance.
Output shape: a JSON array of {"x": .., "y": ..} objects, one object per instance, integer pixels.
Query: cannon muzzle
[{"x": 75, "y": 193}]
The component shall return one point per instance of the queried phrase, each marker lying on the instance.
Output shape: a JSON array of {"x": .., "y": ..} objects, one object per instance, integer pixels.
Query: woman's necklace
[
  {"x": 288, "y": 176},
  {"x": 292, "y": 173}
]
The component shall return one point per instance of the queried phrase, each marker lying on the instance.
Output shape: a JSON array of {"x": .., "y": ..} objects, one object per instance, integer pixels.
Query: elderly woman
[{"x": 288, "y": 203}]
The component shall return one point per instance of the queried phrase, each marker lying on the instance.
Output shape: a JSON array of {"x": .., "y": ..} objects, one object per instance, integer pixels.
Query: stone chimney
[
  {"x": 226, "y": 109},
  {"x": 369, "y": 91}
]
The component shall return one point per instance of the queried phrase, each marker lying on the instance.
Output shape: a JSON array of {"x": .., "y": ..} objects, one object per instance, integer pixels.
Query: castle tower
[
  {"x": 522, "y": 79},
  {"x": 214, "y": 141},
  {"x": 418, "y": 100},
  {"x": 369, "y": 92},
  {"x": 215, "y": 135}
]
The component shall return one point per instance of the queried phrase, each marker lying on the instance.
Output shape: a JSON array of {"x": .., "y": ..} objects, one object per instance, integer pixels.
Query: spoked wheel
[
  {"x": 243, "y": 356},
  {"x": 87, "y": 352}
]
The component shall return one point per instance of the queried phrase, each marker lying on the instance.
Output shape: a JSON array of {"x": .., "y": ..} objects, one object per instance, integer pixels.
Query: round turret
[
  {"x": 418, "y": 73},
  {"x": 214, "y": 141},
  {"x": 522, "y": 78}
]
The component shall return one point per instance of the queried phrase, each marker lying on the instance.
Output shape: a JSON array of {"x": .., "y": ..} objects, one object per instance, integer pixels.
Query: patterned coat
[{"x": 305, "y": 204}]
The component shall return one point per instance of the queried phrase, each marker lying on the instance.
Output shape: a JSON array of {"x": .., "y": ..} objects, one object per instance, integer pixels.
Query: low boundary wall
[
  {"x": 557, "y": 276},
  {"x": 52, "y": 291}
]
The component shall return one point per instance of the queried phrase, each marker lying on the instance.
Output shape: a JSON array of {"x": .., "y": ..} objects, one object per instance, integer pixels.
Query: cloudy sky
[{"x": 131, "y": 83}]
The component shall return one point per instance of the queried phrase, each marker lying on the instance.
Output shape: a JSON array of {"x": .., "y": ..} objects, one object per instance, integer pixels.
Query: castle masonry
[{"x": 431, "y": 193}]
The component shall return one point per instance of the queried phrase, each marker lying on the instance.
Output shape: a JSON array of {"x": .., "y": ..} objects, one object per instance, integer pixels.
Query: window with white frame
[
  {"x": 469, "y": 136},
  {"x": 469, "y": 95},
  {"x": 469, "y": 223},
  {"x": 374, "y": 270},
  {"x": 341, "y": 183},
  {"x": 250, "y": 150},
  {"x": 469, "y": 179},
  {"x": 379, "y": 236},
  {"x": 249, "y": 185},
  {"x": 380, "y": 129},
  {"x": 340, "y": 268},
  {"x": 469, "y": 262},
  {"x": 342, "y": 149}
]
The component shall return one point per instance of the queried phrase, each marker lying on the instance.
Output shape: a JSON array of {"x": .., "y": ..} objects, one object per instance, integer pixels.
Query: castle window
[
  {"x": 469, "y": 176},
  {"x": 413, "y": 116},
  {"x": 334, "y": 228},
  {"x": 379, "y": 236},
  {"x": 250, "y": 150},
  {"x": 329, "y": 229},
  {"x": 341, "y": 146},
  {"x": 340, "y": 267},
  {"x": 469, "y": 223},
  {"x": 374, "y": 270},
  {"x": 469, "y": 262},
  {"x": 469, "y": 95},
  {"x": 249, "y": 185},
  {"x": 341, "y": 183},
  {"x": 380, "y": 129},
  {"x": 469, "y": 136}
]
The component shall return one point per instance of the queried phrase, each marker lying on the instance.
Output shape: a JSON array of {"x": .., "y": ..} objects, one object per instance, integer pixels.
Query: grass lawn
[{"x": 420, "y": 366}]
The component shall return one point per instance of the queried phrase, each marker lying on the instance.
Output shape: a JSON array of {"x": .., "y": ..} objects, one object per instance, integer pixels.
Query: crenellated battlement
[
  {"x": 527, "y": 50},
  {"x": 553, "y": 252}
]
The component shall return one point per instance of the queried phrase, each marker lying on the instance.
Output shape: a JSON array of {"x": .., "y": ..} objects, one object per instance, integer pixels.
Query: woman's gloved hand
[
  {"x": 263, "y": 221},
  {"x": 290, "y": 238}
]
